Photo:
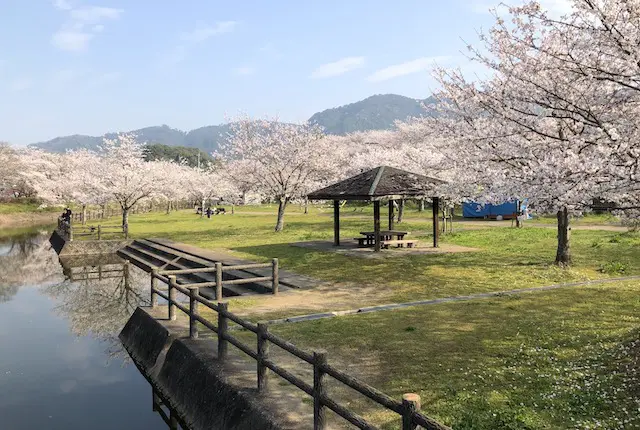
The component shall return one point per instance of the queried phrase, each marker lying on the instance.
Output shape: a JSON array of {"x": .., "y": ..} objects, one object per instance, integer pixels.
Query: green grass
[
  {"x": 25, "y": 207},
  {"x": 507, "y": 258},
  {"x": 567, "y": 358},
  {"x": 563, "y": 359}
]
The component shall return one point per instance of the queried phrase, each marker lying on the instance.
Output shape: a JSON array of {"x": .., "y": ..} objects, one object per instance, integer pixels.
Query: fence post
[
  {"x": 70, "y": 227},
  {"x": 173, "y": 421},
  {"x": 172, "y": 297},
  {"x": 218, "y": 281},
  {"x": 410, "y": 405},
  {"x": 223, "y": 326},
  {"x": 193, "y": 312},
  {"x": 275, "y": 273},
  {"x": 99, "y": 231},
  {"x": 319, "y": 390},
  {"x": 154, "y": 287},
  {"x": 263, "y": 354}
]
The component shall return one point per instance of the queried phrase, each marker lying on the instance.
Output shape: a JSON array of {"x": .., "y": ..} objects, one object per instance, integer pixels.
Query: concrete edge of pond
[
  {"x": 205, "y": 393},
  {"x": 85, "y": 247}
]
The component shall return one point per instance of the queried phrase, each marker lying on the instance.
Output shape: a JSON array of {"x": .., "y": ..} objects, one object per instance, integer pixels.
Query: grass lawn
[
  {"x": 25, "y": 207},
  {"x": 507, "y": 258},
  {"x": 568, "y": 358}
]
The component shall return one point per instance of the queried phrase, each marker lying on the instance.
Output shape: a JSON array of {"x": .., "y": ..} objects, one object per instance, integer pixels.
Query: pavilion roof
[{"x": 381, "y": 183}]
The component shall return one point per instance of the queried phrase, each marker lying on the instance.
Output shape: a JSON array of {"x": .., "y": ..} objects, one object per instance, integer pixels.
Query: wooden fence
[
  {"x": 71, "y": 231},
  {"x": 98, "y": 232},
  {"x": 407, "y": 409},
  {"x": 218, "y": 269}
]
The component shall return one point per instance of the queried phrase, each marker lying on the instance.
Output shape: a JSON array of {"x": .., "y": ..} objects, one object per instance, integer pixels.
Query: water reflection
[
  {"x": 98, "y": 297},
  {"x": 166, "y": 412},
  {"x": 54, "y": 322},
  {"x": 27, "y": 259}
]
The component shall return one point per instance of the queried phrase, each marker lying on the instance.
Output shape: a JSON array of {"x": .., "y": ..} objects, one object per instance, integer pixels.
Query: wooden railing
[
  {"x": 407, "y": 408},
  {"x": 218, "y": 269},
  {"x": 99, "y": 232}
]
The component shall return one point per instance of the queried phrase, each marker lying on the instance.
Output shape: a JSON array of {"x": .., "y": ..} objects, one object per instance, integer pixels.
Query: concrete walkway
[{"x": 311, "y": 317}]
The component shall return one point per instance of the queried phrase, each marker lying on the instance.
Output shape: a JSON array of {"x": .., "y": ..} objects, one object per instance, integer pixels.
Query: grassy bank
[
  {"x": 562, "y": 359},
  {"x": 506, "y": 258},
  {"x": 566, "y": 358}
]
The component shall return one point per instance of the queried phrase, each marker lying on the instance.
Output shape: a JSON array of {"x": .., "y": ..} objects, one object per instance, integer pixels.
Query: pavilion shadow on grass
[{"x": 381, "y": 184}]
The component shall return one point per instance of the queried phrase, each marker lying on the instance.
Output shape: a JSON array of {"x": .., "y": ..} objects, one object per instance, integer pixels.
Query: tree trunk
[
  {"x": 233, "y": 208},
  {"x": 400, "y": 211},
  {"x": 244, "y": 198},
  {"x": 125, "y": 221},
  {"x": 281, "y": 207},
  {"x": 202, "y": 209},
  {"x": 518, "y": 219},
  {"x": 168, "y": 207},
  {"x": 421, "y": 205},
  {"x": 306, "y": 205},
  {"x": 563, "y": 255},
  {"x": 84, "y": 214}
]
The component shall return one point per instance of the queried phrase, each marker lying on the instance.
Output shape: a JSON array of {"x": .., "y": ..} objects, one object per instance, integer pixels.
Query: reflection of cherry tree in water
[
  {"x": 98, "y": 300},
  {"x": 26, "y": 260}
]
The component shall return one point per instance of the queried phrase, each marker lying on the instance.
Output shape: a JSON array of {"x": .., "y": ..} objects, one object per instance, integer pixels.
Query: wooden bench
[
  {"x": 400, "y": 243},
  {"x": 362, "y": 241}
]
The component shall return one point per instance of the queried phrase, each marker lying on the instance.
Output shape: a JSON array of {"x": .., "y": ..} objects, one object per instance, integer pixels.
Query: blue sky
[{"x": 79, "y": 67}]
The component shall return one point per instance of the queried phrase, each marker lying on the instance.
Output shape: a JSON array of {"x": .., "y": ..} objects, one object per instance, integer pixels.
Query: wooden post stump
[
  {"x": 223, "y": 326},
  {"x": 275, "y": 273},
  {"x": 172, "y": 298},
  {"x": 218, "y": 281},
  {"x": 154, "y": 287},
  {"x": 263, "y": 354},
  {"x": 319, "y": 391},
  {"x": 411, "y": 405},
  {"x": 194, "y": 292}
]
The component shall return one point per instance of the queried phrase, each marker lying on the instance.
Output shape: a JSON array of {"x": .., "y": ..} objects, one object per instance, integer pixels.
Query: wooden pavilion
[{"x": 381, "y": 184}]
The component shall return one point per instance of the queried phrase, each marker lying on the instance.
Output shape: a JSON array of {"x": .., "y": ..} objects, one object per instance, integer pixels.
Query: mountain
[{"x": 377, "y": 112}]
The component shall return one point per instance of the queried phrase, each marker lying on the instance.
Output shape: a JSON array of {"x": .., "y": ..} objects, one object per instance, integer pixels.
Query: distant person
[{"x": 209, "y": 212}]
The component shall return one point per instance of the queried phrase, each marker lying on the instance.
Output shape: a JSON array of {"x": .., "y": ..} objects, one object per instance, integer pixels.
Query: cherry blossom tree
[
  {"x": 543, "y": 126},
  {"x": 205, "y": 184},
  {"x": 78, "y": 181},
  {"x": 280, "y": 159},
  {"x": 125, "y": 175},
  {"x": 41, "y": 171},
  {"x": 10, "y": 162}
]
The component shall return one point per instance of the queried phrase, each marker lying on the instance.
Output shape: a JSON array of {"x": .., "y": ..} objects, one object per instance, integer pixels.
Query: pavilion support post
[
  {"x": 436, "y": 222},
  {"x": 336, "y": 222},
  {"x": 376, "y": 224},
  {"x": 391, "y": 214}
]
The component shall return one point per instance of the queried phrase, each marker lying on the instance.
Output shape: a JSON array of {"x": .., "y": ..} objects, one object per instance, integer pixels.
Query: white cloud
[
  {"x": 61, "y": 4},
  {"x": 414, "y": 66},
  {"x": 244, "y": 71},
  {"x": 69, "y": 40},
  {"x": 337, "y": 68},
  {"x": 94, "y": 14},
  {"x": 200, "y": 34},
  {"x": 20, "y": 84},
  {"x": 83, "y": 24}
]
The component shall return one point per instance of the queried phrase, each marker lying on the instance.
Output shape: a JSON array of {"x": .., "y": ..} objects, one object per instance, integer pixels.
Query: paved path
[{"x": 317, "y": 316}]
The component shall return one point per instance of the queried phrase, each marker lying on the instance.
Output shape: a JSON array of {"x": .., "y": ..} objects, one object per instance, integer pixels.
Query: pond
[{"x": 61, "y": 363}]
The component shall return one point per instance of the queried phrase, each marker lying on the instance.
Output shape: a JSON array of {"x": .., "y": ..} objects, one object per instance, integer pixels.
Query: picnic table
[{"x": 369, "y": 237}]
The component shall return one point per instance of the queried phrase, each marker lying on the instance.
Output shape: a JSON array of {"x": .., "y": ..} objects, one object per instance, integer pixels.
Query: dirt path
[{"x": 339, "y": 297}]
